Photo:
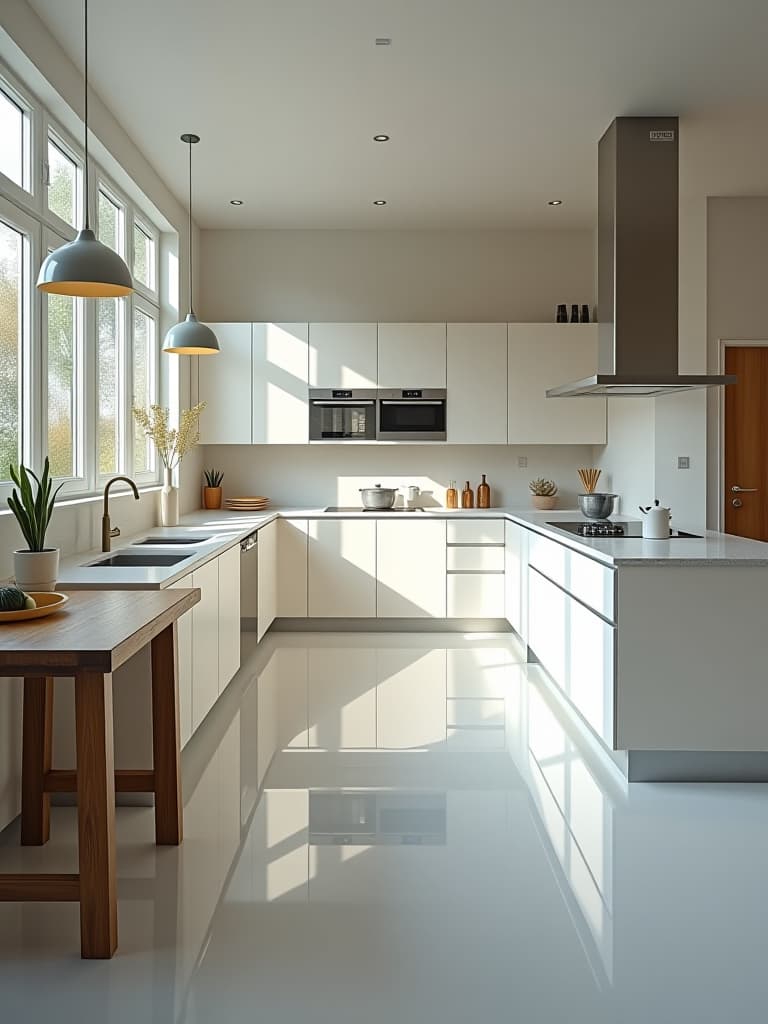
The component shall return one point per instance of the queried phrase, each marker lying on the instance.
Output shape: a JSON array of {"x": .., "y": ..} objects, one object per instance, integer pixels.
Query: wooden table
[{"x": 89, "y": 639}]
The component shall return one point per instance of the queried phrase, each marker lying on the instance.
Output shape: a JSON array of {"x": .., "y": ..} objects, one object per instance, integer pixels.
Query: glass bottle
[
  {"x": 483, "y": 494},
  {"x": 467, "y": 496},
  {"x": 451, "y": 495}
]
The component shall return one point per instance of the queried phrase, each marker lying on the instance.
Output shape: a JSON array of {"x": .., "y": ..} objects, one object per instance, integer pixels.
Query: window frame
[
  {"x": 152, "y": 311},
  {"x": 145, "y": 291},
  {"x": 73, "y": 152},
  {"x": 28, "y": 193}
]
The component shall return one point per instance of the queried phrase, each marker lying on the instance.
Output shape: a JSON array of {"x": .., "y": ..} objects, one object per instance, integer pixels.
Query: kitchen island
[{"x": 630, "y": 631}]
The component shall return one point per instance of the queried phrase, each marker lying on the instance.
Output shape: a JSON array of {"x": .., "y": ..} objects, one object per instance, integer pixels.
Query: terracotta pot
[
  {"x": 211, "y": 497},
  {"x": 544, "y": 502}
]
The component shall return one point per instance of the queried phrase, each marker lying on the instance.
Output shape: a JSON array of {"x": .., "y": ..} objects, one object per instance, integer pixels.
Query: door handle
[{"x": 743, "y": 490}]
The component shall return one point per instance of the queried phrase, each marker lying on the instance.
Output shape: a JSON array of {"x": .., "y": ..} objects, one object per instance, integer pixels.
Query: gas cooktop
[{"x": 606, "y": 528}]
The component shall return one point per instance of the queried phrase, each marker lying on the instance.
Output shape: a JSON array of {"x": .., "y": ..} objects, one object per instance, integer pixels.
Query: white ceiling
[{"x": 493, "y": 106}]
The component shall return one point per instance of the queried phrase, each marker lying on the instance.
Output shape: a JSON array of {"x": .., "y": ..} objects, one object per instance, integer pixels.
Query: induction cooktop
[{"x": 615, "y": 531}]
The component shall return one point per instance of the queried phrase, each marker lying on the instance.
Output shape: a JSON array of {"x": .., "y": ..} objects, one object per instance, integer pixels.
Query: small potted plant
[
  {"x": 37, "y": 567},
  {"x": 212, "y": 489},
  {"x": 544, "y": 493}
]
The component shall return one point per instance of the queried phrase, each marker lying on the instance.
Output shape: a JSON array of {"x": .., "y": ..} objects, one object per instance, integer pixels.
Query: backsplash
[{"x": 297, "y": 475}]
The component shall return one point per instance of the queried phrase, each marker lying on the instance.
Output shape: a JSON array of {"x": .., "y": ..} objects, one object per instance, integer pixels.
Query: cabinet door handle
[{"x": 743, "y": 490}]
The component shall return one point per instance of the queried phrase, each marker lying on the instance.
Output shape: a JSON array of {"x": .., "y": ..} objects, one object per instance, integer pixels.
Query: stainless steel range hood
[{"x": 637, "y": 255}]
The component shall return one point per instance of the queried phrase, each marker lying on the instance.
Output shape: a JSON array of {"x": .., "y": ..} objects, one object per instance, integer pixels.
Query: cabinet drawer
[
  {"x": 476, "y": 739},
  {"x": 577, "y": 648},
  {"x": 476, "y": 595},
  {"x": 475, "y": 712},
  {"x": 477, "y": 559},
  {"x": 580, "y": 575},
  {"x": 475, "y": 531}
]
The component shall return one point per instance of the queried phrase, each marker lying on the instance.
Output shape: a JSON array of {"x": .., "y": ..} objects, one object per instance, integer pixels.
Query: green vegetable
[{"x": 12, "y": 599}]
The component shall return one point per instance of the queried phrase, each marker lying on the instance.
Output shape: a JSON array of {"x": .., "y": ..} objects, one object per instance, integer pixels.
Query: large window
[
  {"x": 70, "y": 369},
  {"x": 15, "y": 136},
  {"x": 13, "y": 284}
]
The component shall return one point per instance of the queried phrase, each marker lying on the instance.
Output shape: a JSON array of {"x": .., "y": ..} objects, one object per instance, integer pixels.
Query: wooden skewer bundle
[{"x": 589, "y": 478}]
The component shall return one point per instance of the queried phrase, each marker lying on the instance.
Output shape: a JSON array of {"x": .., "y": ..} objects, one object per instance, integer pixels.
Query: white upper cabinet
[
  {"x": 224, "y": 384},
  {"x": 477, "y": 383},
  {"x": 280, "y": 369},
  {"x": 542, "y": 356},
  {"x": 342, "y": 355},
  {"x": 412, "y": 356}
]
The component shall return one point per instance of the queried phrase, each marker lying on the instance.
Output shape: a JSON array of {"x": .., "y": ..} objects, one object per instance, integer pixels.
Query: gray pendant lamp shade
[
  {"x": 85, "y": 267},
  {"x": 190, "y": 337}
]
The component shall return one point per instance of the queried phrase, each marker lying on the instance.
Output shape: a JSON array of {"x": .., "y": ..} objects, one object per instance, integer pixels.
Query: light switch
[
  {"x": 683, "y": 462},
  {"x": 522, "y": 461}
]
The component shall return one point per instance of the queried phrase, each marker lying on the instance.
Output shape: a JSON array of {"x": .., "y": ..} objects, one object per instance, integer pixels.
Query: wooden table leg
[
  {"x": 96, "y": 814},
  {"x": 37, "y": 726},
  {"x": 166, "y": 738}
]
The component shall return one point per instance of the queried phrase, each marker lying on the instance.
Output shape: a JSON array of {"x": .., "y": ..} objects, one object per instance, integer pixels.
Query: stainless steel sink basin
[
  {"x": 129, "y": 558},
  {"x": 169, "y": 540}
]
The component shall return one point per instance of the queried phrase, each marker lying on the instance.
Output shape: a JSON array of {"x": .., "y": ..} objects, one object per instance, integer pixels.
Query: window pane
[
  {"x": 143, "y": 257},
  {"x": 11, "y": 335},
  {"x": 109, "y": 318},
  {"x": 62, "y": 417},
  {"x": 12, "y": 135},
  {"x": 110, "y": 223},
  {"x": 62, "y": 184},
  {"x": 144, "y": 334}
]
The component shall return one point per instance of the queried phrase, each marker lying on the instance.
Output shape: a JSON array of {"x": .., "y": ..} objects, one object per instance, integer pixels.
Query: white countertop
[{"x": 220, "y": 530}]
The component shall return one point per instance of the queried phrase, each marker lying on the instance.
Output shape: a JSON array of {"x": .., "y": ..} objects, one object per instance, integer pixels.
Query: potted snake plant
[
  {"x": 36, "y": 567},
  {"x": 212, "y": 489}
]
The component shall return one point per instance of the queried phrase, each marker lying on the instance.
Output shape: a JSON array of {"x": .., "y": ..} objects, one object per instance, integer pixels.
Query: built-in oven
[
  {"x": 342, "y": 414},
  {"x": 411, "y": 414}
]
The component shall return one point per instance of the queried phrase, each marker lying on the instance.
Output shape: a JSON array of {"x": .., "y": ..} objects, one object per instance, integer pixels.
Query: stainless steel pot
[
  {"x": 378, "y": 497},
  {"x": 597, "y": 505}
]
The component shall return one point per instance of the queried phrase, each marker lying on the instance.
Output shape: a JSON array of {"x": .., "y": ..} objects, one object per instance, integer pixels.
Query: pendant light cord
[
  {"x": 85, "y": 76},
  {"x": 190, "y": 227}
]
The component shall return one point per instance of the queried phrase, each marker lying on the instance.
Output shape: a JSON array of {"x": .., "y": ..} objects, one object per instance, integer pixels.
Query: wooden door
[{"x": 746, "y": 442}]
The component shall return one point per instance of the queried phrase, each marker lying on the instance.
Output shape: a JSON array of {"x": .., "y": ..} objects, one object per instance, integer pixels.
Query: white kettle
[{"x": 656, "y": 522}]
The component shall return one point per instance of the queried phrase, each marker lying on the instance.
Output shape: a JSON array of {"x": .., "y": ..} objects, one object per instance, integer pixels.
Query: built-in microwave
[
  {"x": 342, "y": 414},
  {"x": 411, "y": 414}
]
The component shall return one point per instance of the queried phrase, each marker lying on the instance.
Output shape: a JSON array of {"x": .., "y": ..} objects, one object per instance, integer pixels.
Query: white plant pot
[
  {"x": 169, "y": 500},
  {"x": 36, "y": 570}
]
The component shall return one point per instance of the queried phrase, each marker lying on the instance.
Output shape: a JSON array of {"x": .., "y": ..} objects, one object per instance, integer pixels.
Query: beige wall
[
  {"x": 737, "y": 307},
  {"x": 470, "y": 276}
]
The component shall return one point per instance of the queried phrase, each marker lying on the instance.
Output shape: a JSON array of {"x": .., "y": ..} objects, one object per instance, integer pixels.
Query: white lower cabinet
[
  {"x": 229, "y": 615},
  {"x": 184, "y": 666},
  {"x": 266, "y": 585},
  {"x": 577, "y": 648},
  {"x": 402, "y": 673},
  {"x": 410, "y": 569},
  {"x": 342, "y": 568},
  {"x": 516, "y": 577},
  {"x": 205, "y": 642},
  {"x": 476, "y": 595},
  {"x": 292, "y": 554}
]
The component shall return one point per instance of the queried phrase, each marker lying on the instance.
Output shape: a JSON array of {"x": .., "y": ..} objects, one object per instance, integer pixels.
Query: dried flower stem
[{"x": 171, "y": 444}]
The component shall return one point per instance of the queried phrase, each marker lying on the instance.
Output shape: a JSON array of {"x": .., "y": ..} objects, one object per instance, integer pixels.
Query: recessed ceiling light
[
  {"x": 235, "y": 202},
  {"x": 379, "y": 202},
  {"x": 383, "y": 41},
  {"x": 381, "y": 138},
  {"x": 555, "y": 202}
]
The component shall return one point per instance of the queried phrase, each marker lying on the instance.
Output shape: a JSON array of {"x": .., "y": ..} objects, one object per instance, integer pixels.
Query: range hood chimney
[{"x": 637, "y": 261}]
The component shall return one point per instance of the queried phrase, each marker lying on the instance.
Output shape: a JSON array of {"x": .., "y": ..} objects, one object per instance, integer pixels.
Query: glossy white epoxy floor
[{"x": 429, "y": 845}]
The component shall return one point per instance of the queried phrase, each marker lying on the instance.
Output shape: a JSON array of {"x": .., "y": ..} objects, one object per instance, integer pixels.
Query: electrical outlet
[
  {"x": 522, "y": 461},
  {"x": 683, "y": 462}
]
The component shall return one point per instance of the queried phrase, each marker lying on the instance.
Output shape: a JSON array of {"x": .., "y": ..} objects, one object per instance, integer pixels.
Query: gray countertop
[{"x": 219, "y": 530}]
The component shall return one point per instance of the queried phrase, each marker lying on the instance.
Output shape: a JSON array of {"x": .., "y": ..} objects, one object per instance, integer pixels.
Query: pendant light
[
  {"x": 85, "y": 267},
  {"x": 190, "y": 337}
]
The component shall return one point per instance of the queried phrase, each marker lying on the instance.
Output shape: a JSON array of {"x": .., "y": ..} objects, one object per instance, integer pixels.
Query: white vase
[
  {"x": 169, "y": 500},
  {"x": 36, "y": 570}
]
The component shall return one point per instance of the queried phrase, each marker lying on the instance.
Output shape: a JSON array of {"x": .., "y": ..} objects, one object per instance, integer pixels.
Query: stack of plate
[{"x": 253, "y": 504}]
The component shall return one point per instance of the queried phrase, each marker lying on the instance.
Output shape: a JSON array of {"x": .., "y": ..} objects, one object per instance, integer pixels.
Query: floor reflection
[{"x": 408, "y": 828}]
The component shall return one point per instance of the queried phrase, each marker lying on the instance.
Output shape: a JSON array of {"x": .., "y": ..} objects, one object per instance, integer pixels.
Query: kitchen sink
[
  {"x": 170, "y": 540},
  {"x": 129, "y": 558}
]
